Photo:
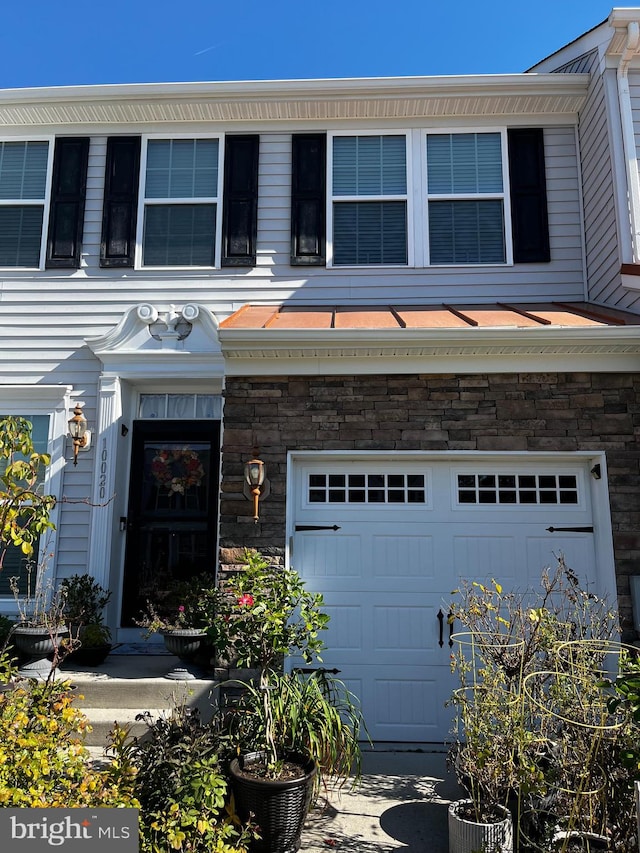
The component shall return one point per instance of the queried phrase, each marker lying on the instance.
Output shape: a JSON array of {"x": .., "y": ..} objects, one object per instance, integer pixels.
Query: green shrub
[
  {"x": 43, "y": 760},
  {"x": 182, "y": 789}
]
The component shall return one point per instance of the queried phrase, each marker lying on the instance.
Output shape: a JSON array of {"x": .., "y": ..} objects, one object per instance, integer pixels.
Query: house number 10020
[{"x": 102, "y": 482}]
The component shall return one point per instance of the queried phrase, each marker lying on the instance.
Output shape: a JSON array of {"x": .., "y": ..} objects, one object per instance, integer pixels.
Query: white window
[
  {"x": 369, "y": 202},
  {"x": 183, "y": 406},
  {"x": 24, "y": 184},
  {"x": 180, "y": 219},
  {"x": 48, "y": 408},
  {"x": 466, "y": 198},
  {"x": 397, "y": 488}
]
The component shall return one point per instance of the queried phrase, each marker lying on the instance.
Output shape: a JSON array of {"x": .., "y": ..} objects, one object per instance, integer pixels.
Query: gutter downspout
[{"x": 628, "y": 138}]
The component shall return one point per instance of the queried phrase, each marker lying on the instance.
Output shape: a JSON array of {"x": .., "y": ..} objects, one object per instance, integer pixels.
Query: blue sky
[{"x": 69, "y": 42}]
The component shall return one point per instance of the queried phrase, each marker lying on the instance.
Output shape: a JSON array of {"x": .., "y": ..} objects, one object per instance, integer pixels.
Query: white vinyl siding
[
  {"x": 74, "y": 313},
  {"x": 466, "y": 198},
  {"x": 180, "y": 203},
  {"x": 369, "y": 212},
  {"x": 25, "y": 170}
]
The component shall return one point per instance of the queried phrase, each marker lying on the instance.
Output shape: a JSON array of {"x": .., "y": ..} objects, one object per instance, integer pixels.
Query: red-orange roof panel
[
  {"x": 435, "y": 317},
  {"x": 579, "y": 314},
  {"x": 250, "y": 317},
  {"x": 302, "y": 318},
  {"x": 364, "y": 317}
]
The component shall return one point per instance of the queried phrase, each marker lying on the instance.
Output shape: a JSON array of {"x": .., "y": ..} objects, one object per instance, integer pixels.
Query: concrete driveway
[{"x": 401, "y": 804}]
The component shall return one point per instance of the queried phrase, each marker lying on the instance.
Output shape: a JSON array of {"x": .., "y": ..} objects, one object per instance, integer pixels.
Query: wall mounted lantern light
[
  {"x": 78, "y": 432},
  {"x": 256, "y": 485}
]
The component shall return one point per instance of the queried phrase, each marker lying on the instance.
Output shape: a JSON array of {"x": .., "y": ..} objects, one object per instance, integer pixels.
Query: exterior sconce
[
  {"x": 256, "y": 485},
  {"x": 78, "y": 432}
]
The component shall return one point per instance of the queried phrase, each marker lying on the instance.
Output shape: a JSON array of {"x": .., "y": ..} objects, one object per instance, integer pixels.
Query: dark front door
[{"x": 173, "y": 508}]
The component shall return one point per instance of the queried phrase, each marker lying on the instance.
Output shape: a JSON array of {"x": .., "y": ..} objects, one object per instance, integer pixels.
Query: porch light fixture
[
  {"x": 78, "y": 432},
  {"x": 256, "y": 485}
]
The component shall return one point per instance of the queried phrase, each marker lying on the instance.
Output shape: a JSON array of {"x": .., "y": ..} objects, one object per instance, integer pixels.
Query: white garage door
[{"x": 387, "y": 542}]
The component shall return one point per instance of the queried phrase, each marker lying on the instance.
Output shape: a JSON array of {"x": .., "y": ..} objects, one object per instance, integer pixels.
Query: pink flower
[
  {"x": 181, "y": 608},
  {"x": 246, "y": 600}
]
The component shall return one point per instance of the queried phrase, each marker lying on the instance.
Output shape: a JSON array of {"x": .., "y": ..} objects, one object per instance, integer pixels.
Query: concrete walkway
[{"x": 401, "y": 804}]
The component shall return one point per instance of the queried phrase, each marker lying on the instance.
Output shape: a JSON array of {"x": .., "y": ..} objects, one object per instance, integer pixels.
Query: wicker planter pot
[
  {"x": 279, "y": 808},
  {"x": 467, "y": 836}
]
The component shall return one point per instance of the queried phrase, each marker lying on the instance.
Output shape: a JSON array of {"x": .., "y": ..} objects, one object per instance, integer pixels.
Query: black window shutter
[
  {"x": 308, "y": 199},
  {"x": 66, "y": 215},
  {"x": 240, "y": 203},
  {"x": 528, "y": 196},
  {"x": 120, "y": 210}
]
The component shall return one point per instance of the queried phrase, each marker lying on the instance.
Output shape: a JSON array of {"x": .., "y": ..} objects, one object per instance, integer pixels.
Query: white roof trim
[
  {"x": 264, "y": 351},
  {"x": 129, "y": 349},
  {"x": 258, "y": 101}
]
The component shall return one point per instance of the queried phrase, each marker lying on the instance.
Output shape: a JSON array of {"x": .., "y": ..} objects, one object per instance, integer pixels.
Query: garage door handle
[
  {"x": 570, "y": 529},
  {"x": 300, "y": 527},
  {"x": 440, "y": 618}
]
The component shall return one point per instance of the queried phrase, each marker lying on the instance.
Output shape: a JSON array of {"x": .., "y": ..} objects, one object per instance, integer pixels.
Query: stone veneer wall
[{"x": 493, "y": 412}]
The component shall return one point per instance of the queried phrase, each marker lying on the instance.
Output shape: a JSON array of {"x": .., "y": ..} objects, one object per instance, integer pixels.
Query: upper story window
[
  {"x": 42, "y": 196},
  {"x": 369, "y": 200},
  {"x": 180, "y": 200},
  {"x": 24, "y": 179},
  {"x": 421, "y": 198},
  {"x": 466, "y": 198}
]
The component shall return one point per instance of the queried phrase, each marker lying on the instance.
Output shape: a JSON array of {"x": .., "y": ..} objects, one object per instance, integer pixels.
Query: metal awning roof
[{"x": 382, "y": 317}]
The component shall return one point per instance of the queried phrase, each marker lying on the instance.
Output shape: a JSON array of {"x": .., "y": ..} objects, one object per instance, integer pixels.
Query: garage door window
[
  {"x": 367, "y": 488},
  {"x": 517, "y": 489}
]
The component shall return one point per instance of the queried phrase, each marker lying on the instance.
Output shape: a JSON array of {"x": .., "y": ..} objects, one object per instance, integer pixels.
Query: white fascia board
[
  {"x": 340, "y": 87},
  {"x": 145, "y": 366},
  {"x": 282, "y": 101},
  {"x": 346, "y": 351},
  {"x": 452, "y": 364}
]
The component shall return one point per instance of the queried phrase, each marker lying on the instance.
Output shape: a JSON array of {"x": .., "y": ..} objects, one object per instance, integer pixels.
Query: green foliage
[
  {"x": 43, "y": 760},
  {"x": 190, "y": 603},
  {"x": 84, "y": 599},
  {"x": 311, "y": 715},
  {"x": 536, "y": 726},
  {"x": 264, "y": 613},
  {"x": 24, "y": 509},
  {"x": 182, "y": 789},
  {"x": 91, "y": 636}
]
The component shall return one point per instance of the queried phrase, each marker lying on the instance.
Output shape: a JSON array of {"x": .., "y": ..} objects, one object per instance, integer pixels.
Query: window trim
[
  {"x": 143, "y": 202},
  {"x": 45, "y": 203},
  {"x": 332, "y": 199},
  {"x": 505, "y": 196}
]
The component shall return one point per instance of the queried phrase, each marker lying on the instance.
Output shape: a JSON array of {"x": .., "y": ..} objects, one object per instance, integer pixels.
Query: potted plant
[
  {"x": 181, "y": 613},
  {"x": 84, "y": 603},
  {"x": 288, "y": 728},
  {"x": 485, "y": 753},
  {"x": 535, "y": 731},
  {"x": 41, "y": 630},
  {"x": 24, "y": 517}
]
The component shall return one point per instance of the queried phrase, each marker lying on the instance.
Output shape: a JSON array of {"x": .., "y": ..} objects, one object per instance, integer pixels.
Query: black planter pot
[
  {"x": 37, "y": 643},
  {"x": 279, "y": 808},
  {"x": 90, "y": 655},
  {"x": 185, "y": 643}
]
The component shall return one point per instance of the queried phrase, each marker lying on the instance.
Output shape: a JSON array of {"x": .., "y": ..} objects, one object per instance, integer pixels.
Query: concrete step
[{"x": 125, "y": 686}]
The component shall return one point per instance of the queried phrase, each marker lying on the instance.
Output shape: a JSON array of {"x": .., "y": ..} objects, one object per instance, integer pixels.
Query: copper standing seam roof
[{"x": 497, "y": 315}]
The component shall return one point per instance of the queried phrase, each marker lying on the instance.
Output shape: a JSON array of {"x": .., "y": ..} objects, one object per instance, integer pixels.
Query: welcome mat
[{"x": 139, "y": 649}]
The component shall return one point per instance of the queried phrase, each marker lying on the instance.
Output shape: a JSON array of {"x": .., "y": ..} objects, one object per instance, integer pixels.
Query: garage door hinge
[
  {"x": 570, "y": 529},
  {"x": 300, "y": 527}
]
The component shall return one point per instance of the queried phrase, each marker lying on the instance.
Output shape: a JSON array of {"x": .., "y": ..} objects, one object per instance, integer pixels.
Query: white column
[{"x": 104, "y": 480}]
